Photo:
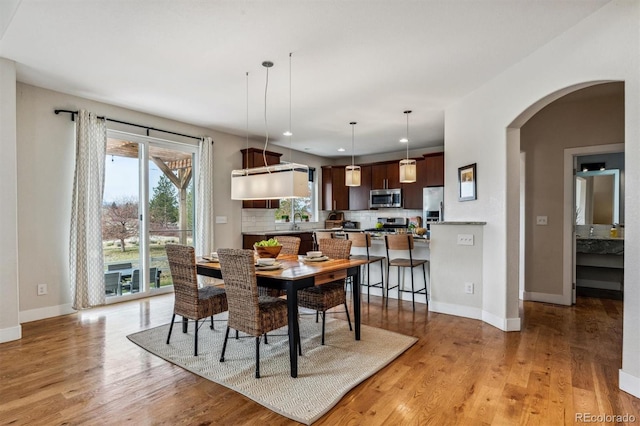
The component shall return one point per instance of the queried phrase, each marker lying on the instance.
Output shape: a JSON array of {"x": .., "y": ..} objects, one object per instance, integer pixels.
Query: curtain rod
[{"x": 74, "y": 113}]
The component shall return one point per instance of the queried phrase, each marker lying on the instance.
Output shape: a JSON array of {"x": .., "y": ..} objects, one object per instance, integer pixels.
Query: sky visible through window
[{"x": 121, "y": 178}]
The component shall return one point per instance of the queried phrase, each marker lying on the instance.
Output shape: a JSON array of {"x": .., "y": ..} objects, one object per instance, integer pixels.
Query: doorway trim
[{"x": 568, "y": 233}]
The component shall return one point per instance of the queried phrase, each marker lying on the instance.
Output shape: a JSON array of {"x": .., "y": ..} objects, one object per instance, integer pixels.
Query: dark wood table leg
[
  {"x": 356, "y": 289},
  {"x": 292, "y": 305}
]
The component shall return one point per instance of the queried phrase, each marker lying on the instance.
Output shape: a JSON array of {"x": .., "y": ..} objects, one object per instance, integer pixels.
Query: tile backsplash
[{"x": 258, "y": 220}]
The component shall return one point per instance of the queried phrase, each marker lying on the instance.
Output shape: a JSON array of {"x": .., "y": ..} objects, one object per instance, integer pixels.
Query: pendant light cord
[
  {"x": 290, "y": 131},
  {"x": 266, "y": 126},
  {"x": 407, "y": 114},
  {"x": 353, "y": 124},
  {"x": 247, "y": 123}
]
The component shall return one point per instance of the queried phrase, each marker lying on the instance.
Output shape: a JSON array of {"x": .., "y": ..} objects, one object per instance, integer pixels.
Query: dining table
[{"x": 295, "y": 273}]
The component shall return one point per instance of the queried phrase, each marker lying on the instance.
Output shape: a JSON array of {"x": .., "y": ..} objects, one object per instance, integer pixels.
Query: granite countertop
[
  {"x": 297, "y": 231},
  {"x": 600, "y": 245},
  {"x": 457, "y": 223}
]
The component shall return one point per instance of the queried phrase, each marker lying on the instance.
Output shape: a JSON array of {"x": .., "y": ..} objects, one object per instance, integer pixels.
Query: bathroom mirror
[{"x": 598, "y": 197}]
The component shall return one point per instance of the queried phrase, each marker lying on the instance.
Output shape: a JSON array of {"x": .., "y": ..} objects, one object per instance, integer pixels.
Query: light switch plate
[
  {"x": 541, "y": 220},
  {"x": 221, "y": 219},
  {"x": 465, "y": 239}
]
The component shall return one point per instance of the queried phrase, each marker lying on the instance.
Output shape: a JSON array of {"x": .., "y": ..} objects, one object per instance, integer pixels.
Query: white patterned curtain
[
  {"x": 204, "y": 201},
  {"x": 86, "y": 267}
]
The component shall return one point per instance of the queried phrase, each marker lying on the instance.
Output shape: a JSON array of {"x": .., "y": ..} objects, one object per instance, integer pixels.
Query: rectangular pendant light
[
  {"x": 352, "y": 176},
  {"x": 287, "y": 180},
  {"x": 407, "y": 171}
]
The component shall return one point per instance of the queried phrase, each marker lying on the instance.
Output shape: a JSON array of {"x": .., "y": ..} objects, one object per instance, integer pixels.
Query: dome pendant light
[
  {"x": 352, "y": 172},
  {"x": 407, "y": 166}
]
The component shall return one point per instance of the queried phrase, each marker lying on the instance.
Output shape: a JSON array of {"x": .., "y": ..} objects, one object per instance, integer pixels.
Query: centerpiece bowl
[{"x": 268, "y": 251}]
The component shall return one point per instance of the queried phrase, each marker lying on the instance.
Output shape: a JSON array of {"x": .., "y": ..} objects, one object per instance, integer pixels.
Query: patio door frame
[{"x": 143, "y": 203}]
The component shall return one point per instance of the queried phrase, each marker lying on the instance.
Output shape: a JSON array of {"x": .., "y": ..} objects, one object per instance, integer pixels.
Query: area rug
[{"x": 325, "y": 373}]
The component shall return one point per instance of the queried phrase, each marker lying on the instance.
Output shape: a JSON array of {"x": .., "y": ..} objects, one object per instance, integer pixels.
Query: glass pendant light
[
  {"x": 352, "y": 172},
  {"x": 408, "y": 165}
]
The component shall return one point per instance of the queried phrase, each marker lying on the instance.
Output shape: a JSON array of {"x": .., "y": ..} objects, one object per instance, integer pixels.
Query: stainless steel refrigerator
[{"x": 432, "y": 205}]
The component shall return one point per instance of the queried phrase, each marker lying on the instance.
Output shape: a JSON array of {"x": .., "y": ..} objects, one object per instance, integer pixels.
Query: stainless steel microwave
[{"x": 379, "y": 198}]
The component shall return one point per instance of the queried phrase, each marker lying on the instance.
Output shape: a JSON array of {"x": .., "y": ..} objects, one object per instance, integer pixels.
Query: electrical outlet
[
  {"x": 468, "y": 288},
  {"x": 541, "y": 220},
  {"x": 42, "y": 289},
  {"x": 465, "y": 239}
]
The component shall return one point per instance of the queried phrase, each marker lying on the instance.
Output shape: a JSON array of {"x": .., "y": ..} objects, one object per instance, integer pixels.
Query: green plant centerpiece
[{"x": 268, "y": 248}]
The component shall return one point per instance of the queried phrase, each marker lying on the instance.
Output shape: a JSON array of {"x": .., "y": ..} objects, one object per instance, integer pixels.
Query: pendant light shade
[
  {"x": 352, "y": 172},
  {"x": 408, "y": 166},
  {"x": 278, "y": 181}
]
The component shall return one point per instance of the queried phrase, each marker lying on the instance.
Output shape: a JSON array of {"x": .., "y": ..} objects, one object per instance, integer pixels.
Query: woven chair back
[
  {"x": 290, "y": 245},
  {"x": 335, "y": 248},
  {"x": 182, "y": 263},
  {"x": 239, "y": 275}
]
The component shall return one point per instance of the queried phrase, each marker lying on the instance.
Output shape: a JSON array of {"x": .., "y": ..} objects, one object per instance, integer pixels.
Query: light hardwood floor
[{"x": 81, "y": 369}]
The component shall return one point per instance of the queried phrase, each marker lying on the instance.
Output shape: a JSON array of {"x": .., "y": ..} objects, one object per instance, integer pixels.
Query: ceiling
[{"x": 363, "y": 61}]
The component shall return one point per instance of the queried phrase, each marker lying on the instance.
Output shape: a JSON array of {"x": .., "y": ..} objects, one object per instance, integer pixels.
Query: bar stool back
[
  {"x": 404, "y": 242},
  {"x": 363, "y": 240},
  {"x": 319, "y": 235}
]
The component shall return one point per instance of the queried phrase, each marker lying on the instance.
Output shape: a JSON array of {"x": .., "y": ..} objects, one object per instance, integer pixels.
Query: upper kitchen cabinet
[
  {"x": 359, "y": 195},
  {"x": 335, "y": 194},
  {"x": 434, "y": 169},
  {"x": 385, "y": 175},
  {"x": 253, "y": 157}
]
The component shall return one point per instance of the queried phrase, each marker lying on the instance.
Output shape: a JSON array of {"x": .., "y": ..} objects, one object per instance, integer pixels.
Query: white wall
[
  {"x": 9, "y": 321},
  {"x": 603, "y": 47},
  {"x": 45, "y": 167}
]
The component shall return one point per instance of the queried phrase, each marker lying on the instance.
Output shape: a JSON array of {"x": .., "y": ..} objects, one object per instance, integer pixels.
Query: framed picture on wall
[{"x": 467, "y": 180}]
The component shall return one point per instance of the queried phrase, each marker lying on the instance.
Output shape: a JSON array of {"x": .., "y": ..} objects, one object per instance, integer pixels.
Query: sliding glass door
[{"x": 147, "y": 203}]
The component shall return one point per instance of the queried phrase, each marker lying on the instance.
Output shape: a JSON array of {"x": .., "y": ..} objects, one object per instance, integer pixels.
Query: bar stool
[
  {"x": 364, "y": 240},
  {"x": 404, "y": 242}
]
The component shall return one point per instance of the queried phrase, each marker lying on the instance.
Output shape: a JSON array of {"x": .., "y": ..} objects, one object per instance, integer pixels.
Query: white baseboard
[
  {"x": 628, "y": 383},
  {"x": 11, "y": 333},
  {"x": 48, "y": 312},
  {"x": 457, "y": 310},
  {"x": 504, "y": 324},
  {"x": 557, "y": 299}
]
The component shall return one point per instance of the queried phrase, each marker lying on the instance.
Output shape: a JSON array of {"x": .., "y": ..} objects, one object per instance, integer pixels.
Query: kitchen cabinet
[
  {"x": 306, "y": 239},
  {"x": 385, "y": 175},
  {"x": 335, "y": 194},
  {"x": 359, "y": 195},
  {"x": 253, "y": 157},
  {"x": 434, "y": 169}
]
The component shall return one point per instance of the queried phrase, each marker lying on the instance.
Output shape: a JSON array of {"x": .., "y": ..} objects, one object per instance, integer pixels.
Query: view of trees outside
[
  {"x": 163, "y": 206},
  {"x": 302, "y": 207},
  {"x": 120, "y": 218}
]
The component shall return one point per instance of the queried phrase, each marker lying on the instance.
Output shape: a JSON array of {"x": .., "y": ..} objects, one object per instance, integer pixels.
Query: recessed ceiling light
[
  {"x": 404, "y": 140},
  {"x": 287, "y": 133},
  {"x": 341, "y": 150}
]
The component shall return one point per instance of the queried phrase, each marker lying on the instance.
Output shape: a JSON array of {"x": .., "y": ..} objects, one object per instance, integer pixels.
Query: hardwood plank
[{"x": 81, "y": 369}]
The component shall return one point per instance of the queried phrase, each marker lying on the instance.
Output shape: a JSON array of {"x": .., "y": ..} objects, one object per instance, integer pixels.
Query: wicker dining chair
[
  {"x": 321, "y": 235},
  {"x": 248, "y": 312},
  {"x": 323, "y": 297},
  {"x": 290, "y": 246},
  {"x": 363, "y": 240},
  {"x": 191, "y": 302}
]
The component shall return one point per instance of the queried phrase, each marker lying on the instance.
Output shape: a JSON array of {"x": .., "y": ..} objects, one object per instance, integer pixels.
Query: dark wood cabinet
[
  {"x": 306, "y": 240},
  {"x": 359, "y": 195},
  {"x": 385, "y": 175},
  {"x": 335, "y": 194},
  {"x": 434, "y": 169},
  {"x": 253, "y": 157}
]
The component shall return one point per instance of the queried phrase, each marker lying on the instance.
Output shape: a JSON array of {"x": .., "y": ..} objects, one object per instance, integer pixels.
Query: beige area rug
[{"x": 325, "y": 373}]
